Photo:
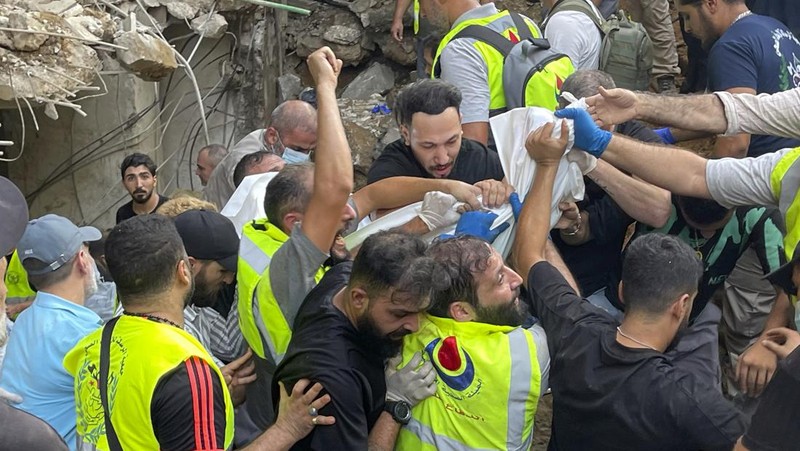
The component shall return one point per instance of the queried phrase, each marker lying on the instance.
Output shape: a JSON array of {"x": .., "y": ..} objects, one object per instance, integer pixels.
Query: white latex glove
[
  {"x": 585, "y": 161},
  {"x": 10, "y": 398},
  {"x": 438, "y": 210},
  {"x": 412, "y": 383}
]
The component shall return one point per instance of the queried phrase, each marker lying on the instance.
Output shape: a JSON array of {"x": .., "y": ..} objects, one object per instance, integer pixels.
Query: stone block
[
  {"x": 147, "y": 57},
  {"x": 377, "y": 79},
  {"x": 289, "y": 86},
  {"x": 27, "y": 42},
  {"x": 213, "y": 27}
]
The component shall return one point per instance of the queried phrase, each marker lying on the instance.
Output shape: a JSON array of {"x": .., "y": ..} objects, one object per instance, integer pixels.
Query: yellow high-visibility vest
[
  {"x": 541, "y": 92},
  {"x": 785, "y": 183},
  {"x": 487, "y": 387},
  {"x": 17, "y": 281},
  {"x": 142, "y": 352},
  {"x": 260, "y": 317}
]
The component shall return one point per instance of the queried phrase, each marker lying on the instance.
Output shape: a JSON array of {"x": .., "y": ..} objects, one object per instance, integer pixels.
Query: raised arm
[
  {"x": 677, "y": 170},
  {"x": 394, "y": 192},
  {"x": 641, "y": 201},
  {"x": 699, "y": 113},
  {"x": 333, "y": 169},
  {"x": 533, "y": 226}
]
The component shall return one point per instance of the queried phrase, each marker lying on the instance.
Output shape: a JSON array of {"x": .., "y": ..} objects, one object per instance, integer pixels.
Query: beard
[
  {"x": 338, "y": 252},
  {"x": 382, "y": 346},
  {"x": 511, "y": 314},
  {"x": 141, "y": 196},
  {"x": 203, "y": 293}
]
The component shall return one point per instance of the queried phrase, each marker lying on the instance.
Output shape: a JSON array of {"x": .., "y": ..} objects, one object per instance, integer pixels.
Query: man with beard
[
  {"x": 142, "y": 382},
  {"x": 58, "y": 263},
  {"x": 491, "y": 371},
  {"x": 348, "y": 326},
  {"x": 139, "y": 178},
  {"x": 614, "y": 388},
  {"x": 747, "y": 53},
  {"x": 281, "y": 256}
]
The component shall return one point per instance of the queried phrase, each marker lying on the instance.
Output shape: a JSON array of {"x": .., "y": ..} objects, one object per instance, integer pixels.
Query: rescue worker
[{"x": 472, "y": 335}]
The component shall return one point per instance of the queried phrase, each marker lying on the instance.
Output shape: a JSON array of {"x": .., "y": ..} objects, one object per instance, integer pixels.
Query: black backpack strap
[
  {"x": 484, "y": 34},
  {"x": 523, "y": 30},
  {"x": 105, "y": 362}
]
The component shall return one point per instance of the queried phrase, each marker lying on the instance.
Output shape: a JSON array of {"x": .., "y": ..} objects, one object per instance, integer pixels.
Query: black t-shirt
[
  {"x": 610, "y": 397},
  {"x": 597, "y": 263},
  {"x": 326, "y": 348},
  {"x": 474, "y": 163},
  {"x": 126, "y": 211},
  {"x": 774, "y": 425},
  {"x": 188, "y": 408}
]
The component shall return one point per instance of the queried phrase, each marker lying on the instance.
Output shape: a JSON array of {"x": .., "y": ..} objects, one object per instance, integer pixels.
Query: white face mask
[{"x": 291, "y": 156}]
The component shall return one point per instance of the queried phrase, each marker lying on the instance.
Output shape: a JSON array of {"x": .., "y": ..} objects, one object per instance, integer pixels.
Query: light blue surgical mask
[{"x": 291, "y": 156}]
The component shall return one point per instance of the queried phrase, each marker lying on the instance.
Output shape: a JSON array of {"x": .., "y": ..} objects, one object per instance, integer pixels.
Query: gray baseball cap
[
  {"x": 53, "y": 240},
  {"x": 13, "y": 215}
]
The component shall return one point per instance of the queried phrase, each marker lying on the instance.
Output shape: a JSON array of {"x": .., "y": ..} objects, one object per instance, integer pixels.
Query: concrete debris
[
  {"x": 26, "y": 42},
  {"x": 377, "y": 79},
  {"x": 50, "y": 111},
  {"x": 182, "y": 11},
  {"x": 85, "y": 27},
  {"x": 149, "y": 58},
  {"x": 289, "y": 86},
  {"x": 364, "y": 132},
  {"x": 213, "y": 27},
  {"x": 337, "y": 28},
  {"x": 374, "y": 14},
  {"x": 63, "y": 8},
  {"x": 400, "y": 52}
]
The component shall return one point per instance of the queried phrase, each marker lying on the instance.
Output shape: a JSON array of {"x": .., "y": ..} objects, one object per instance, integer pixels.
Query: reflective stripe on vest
[
  {"x": 503, "y": 24},
  {"x": 16, "y": 280},
  {"x": 131, "y": 383},
  {"x": 785, "y": 182},
  {"x": 487, "y": 387},
  {"x": 260, "y": 240}
]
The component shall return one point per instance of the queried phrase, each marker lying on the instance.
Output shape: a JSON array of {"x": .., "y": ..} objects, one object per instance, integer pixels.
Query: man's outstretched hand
[
  {"x": 588, "y": 136},
  {"x": 613, "y": 106},
  {"x": 324, "y": 67}
]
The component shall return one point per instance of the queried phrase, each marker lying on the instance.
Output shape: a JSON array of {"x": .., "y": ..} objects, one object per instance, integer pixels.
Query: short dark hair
[
  {"x": 43, "y": 281},
  {"x": 397, "y": 260},
  {"x": 701, "y": 211},
  {"x": 247, "y": 162},
  {"x": 137, "y": 159},
  {"x": 288, "y": 192},
  {"x": 425, "y": 96},
  {"x": 656, "y": 271},
  {"x": 216, "y": 152},
  {"x": 585, "y": 83},
  {"x": 461, "y": 258},
  {"x": 142, "y": 254}
]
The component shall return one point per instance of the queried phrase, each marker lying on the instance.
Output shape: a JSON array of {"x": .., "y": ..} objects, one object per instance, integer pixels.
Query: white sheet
[
  {"x": 510, "y": 131},
  {"x": 247, "y": 202}
]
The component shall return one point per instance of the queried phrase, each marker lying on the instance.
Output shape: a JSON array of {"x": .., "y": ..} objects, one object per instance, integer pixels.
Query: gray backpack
[{"x": 626, "y": 52}]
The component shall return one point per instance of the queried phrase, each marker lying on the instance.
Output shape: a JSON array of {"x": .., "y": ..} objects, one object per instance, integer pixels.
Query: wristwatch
[{"x": 400, "y": 410}]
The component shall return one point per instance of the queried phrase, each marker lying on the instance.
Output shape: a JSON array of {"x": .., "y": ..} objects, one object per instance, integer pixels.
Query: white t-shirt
[
  {"x": 575, "y": 34},
  {"x": 765, "y": 114}
]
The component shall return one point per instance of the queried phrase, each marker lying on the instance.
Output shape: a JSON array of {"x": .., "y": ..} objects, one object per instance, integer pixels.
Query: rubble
[
  {"x": 335, "y": 27},
  {"x": 149, "y": 58},
  {"x": 377, "y": 79},
  {"x": 289, "y": 87},
  {"x": 365, "y": 131},
  {"x": 213, "y": 27}
]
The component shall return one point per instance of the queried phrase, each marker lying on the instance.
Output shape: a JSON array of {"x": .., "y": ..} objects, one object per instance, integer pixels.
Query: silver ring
[
  {"x": 312, "y": 411},
  {"x": 314, "y": 420}
]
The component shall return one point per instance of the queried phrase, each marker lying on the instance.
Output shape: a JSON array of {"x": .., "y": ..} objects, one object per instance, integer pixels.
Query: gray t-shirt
[{"x": 220, "y": 185}]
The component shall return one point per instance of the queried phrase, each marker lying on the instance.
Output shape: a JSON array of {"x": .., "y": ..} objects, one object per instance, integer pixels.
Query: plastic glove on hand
[
  {"x": 516, "y": 205},
  {"x": 413, "y": 383},
  {"x": 437, "y": 210},
  {"x": 588, "y": 136},
  {"x": 478, "y": 224},
  {"x": 585, "y": 161}
]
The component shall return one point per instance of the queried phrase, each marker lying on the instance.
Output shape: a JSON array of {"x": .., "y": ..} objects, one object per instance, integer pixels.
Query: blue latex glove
[
  {"x": 516, "y": 205},
  {"x": 665, "y": 134},
  {"x": 478, "y": 223},
  {"x": 588, "y": 136}
]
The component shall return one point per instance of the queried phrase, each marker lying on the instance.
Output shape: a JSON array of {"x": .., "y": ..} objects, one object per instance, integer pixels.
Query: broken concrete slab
[
  {"x": 149, "y": 58},
  {"x": 182, "y": 11},
  {"x": 377, "y": 79},
  {"x": 400, "y": 52},
  {"x": 289, "y": 86},
  {"x": 26, "y": 42},
  {"x": 337, "y": 28},
  {"x": 213, "y": 27}
]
